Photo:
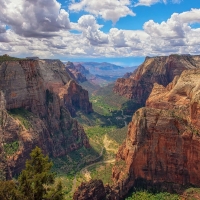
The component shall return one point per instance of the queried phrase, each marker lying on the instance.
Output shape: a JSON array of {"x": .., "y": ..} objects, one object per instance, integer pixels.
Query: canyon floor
[{"x": 106, "y": 128}]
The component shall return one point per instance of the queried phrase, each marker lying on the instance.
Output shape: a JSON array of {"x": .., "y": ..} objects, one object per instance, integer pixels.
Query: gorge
[
  {"x": 161, "y": 149},
  {"x": 41, "y": 101}
]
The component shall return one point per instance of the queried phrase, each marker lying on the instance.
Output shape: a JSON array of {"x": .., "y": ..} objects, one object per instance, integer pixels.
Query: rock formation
[
  {"x": 36, "y": 99},
  {"x": 161, "y": 70},
  {"x": 162, "y": 147},
  {"x": 91, "y": 190},
  {"x": 77, "y": 72},
  {"x": 94, "y": 190}
]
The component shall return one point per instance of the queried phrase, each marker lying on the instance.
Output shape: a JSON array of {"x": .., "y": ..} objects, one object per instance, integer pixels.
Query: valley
[
  {"x": 107, "y": 138},
  {"x": 106, "y": 129},
  {"x": 99, "y": 100}
]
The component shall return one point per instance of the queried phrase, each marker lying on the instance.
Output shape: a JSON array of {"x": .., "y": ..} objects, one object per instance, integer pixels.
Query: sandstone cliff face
[
  {"x": 161, "y": 70},
  {"x": 94, "y": 190},
  {"x": 34, "y": 106},
  {"x": 91, "y": 190},
  {"x": 77, "y": 72},
  {"x": 163, "y": 140}
]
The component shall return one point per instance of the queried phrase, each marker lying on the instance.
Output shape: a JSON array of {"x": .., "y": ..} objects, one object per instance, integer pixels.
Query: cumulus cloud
[
  {"x": 34, "y": 18},
  {"x": 175, "y": 33},
  {"x": 2, "y": 28},
  {"x": 146, "y": 2},
  {"x": 117, "y": 37},
  {"x": 175, "y": 27},
  {"x": 108, "y": 10},
  {"x": 86, "y": 38},
  {"x": 90, "y": 30}
]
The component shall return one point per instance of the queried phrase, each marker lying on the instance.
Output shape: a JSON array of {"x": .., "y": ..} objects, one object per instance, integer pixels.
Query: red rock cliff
[
  {"x": 161, "y": 70},
  {"x": 77, "y": 72},
  {"x": 36, "y": 98},
  {"x": 163, "y": 140}
]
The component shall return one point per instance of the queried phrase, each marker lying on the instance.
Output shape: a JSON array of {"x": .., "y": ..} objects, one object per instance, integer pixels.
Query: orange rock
[
  {"x": 160, "y": 69},
  {"x": 163, "y": 140},
  {"x": 47, "y": 92}
]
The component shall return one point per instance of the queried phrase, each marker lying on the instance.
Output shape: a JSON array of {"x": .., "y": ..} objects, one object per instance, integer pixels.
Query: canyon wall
[
  {"x": 160, "y": 69},
  {"x": 37, "y": 99},
  {"x": 77, "y": 72},
  {"x": 162, "y": 147}
]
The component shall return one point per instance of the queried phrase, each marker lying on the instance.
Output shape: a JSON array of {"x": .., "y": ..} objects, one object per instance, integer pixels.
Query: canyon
[
  {"x": 161, "y": 149},
  {"x": 162, "y": 144},
  {"x": 160, "y": 69},
  {"x": 38, "y": 99}
]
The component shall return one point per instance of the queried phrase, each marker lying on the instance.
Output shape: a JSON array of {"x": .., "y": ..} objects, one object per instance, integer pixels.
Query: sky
[{"x": 122, "y": 32}]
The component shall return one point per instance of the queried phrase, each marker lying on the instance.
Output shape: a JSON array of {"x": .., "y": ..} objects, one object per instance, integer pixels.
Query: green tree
[
  {"x": 36, "y": 180},
  {"x": 8, "y": 191}
]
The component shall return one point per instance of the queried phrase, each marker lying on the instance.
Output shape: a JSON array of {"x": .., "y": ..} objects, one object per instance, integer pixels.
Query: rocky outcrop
[
  {"x": 94, "y": 190},
  {"x": 77, "y": 72},
  {"x": 91, "y": 190},
  {"x": 161, "y": 70},
  {"x": 162, "y": 147},
  {"x": 37, "y": 97}
]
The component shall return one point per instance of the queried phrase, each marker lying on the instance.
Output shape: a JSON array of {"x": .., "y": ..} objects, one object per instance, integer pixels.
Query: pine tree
[
  {"x": 9, "y": 191},
  {"x": 35, "y": 181}
]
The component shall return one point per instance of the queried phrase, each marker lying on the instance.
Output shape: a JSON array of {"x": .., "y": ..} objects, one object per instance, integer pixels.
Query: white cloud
[
  {"x": 38, "y": 18},
  {"x": 86, "y": 38},
  {"x": 107, "y": 9},
  {"x": 151, "y": 2},
  {"x": 146, "y": 2},
  {"x": 175, "y": 27},
  {"x": 2, "y": 28},
  {"x": 117, "y": 38},
  {"x": 90, "y": 30}
]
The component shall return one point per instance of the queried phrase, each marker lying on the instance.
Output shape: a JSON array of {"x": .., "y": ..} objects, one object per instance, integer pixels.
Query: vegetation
[
  {"x": 109, "y": 97},
  {"x": 130, "y": 106},
  {"x": 103, "y": 172},
  {"x": 11, "y": 148},
  {"x": 22, "y": 115},
  {"x": 118, "y": 135},
  {"x": 144, "y": 195},
  {"x": 192, "y": 194},
  {"x": 35, "y": 182},
  {"x": 90, "y": 87},
  {"x": 8, "y": 58},
  {"x": 68, "y": 166}
]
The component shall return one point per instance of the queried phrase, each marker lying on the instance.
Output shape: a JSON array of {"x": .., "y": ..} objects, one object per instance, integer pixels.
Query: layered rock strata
[
  {"x": 77, "y": 72},
  {"x": 161, "y": 70},
  {"x": 36, "y": 99},
  {"x": 162, "y": 146}
]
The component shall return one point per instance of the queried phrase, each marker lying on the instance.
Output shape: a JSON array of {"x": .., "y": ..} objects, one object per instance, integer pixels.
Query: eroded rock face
[
  {"x": 95, "y": 190},
  {"x": 91, "y": 190},
  {"x": 36, "y": 98},
  {"x": 77, "y": 72},
  {"x": 163, "y": 140},
  {"x": 161, "y": 70}
]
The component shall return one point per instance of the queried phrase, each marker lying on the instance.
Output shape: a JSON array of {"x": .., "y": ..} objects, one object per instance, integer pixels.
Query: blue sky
[{"x": 116, "y": 31}]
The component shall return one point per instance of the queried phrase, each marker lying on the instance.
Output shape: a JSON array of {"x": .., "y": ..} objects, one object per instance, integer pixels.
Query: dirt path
[
  {"x": 106, "y": 143},
  {"x": 74, "y": 180},
  {"x": 85, "y": 171}
]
